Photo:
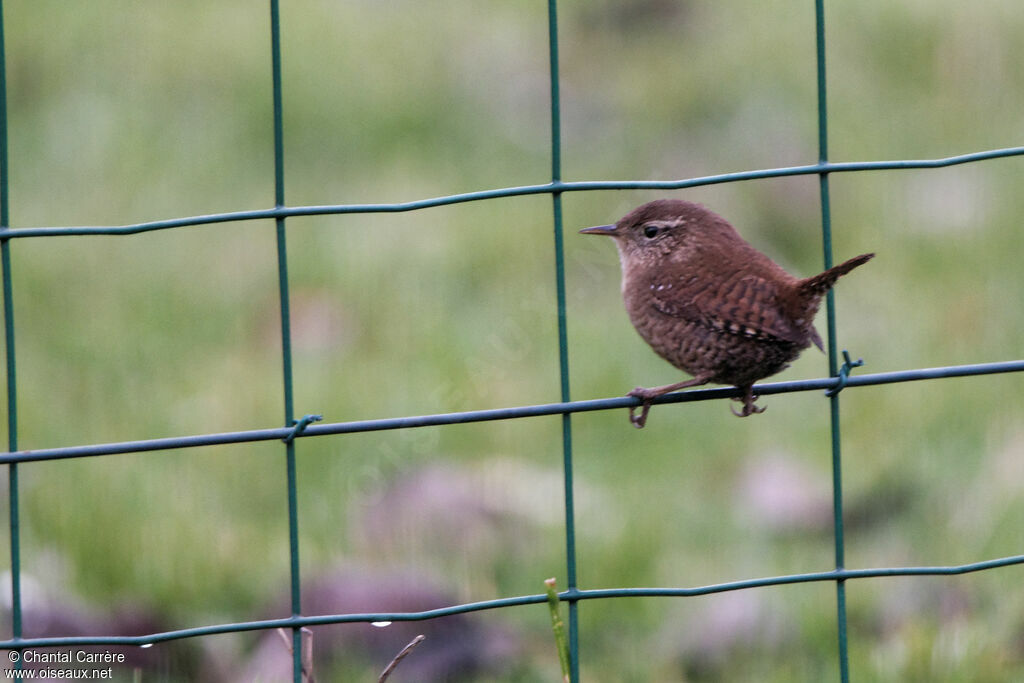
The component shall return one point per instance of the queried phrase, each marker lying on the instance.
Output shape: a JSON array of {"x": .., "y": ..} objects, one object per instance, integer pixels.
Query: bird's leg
[
  {"x": 648, "y": 395},
  {"x": 748, "y": 403}
]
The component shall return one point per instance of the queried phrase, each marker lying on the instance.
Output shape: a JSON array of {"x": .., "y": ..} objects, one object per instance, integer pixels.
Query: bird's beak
[{"x": 608, "y": 230}]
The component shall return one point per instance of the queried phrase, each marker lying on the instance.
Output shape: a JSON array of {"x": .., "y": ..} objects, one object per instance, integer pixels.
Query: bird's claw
[
  {"x": 748, "y": 406},
  {"x": 645, "y": 397}
]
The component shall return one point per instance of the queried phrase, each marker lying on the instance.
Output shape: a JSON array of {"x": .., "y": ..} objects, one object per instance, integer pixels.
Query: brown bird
[{"x": 708, "y": 302}]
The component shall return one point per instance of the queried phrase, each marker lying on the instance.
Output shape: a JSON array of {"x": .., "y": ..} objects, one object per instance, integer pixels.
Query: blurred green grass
[{"x": 126, "y": 113}]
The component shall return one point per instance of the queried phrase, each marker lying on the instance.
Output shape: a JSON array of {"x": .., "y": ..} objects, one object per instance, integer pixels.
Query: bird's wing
[{"x": 748, "y": 306}]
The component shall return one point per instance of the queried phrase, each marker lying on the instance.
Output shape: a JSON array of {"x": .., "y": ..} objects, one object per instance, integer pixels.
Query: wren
[{"x": 710, "y": 303}]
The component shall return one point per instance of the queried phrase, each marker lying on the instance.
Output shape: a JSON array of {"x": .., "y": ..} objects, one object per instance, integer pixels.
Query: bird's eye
[{"x": 650, "y": 231}]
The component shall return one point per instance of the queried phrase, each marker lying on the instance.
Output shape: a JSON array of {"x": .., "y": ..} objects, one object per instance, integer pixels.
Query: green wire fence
[{"x": 294, "y": 429}]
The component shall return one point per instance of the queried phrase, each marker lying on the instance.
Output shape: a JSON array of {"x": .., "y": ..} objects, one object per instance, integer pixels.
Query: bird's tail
[{"x": 819, "y": 284}]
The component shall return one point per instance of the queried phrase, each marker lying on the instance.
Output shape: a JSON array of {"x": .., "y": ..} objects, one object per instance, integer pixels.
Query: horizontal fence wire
[
  {"x": 555, "y": 187},
  {"x": 293, "y": 430},
  {"x": 576, "y": 595},
  {"x": 535, "y": 410}
]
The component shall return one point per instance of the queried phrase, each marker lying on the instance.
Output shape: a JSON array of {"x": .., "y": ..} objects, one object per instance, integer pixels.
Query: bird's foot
[
  {"x": 645, "y": 396},
  {"x": 748, "y": 405}
]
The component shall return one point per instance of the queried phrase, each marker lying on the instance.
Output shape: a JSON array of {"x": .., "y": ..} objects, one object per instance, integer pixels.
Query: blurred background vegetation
[{"x": 122, "y": 112}]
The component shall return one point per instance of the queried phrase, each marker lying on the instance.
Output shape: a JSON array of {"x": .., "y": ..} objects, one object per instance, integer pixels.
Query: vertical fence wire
[
  {"x": 563, "y": 342},
  {"x": 12, "y": 393},
  {"x": 286, "y": 340},
  {"x": 833, "y": 363}
]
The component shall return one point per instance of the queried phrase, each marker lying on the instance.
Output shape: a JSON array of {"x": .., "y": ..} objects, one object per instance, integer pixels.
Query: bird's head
[{"x": 665, "y": 230}]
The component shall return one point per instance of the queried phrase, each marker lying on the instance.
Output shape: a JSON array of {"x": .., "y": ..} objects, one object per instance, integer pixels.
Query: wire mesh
[{"x": 840, "y": 377}]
